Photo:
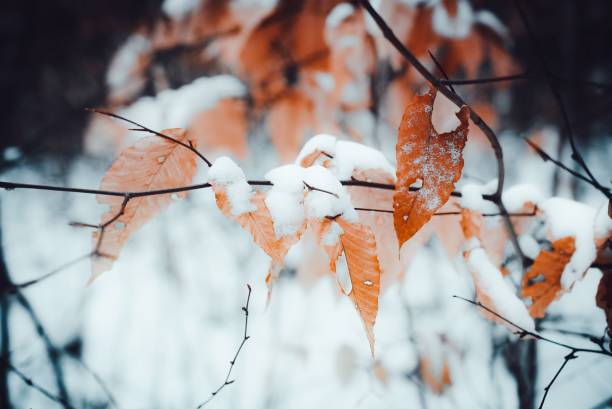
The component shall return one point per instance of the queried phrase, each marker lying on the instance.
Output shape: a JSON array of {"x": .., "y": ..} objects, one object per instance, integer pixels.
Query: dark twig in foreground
[
  {"x": 566, "y": 359},
  {"x": 245, "y": 338},
  {"x": 28, "y": 381},
  {"x": 53, "y": 354}
]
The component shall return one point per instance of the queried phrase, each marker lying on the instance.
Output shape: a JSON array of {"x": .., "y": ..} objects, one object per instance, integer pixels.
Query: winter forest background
[{"x": 254, "y": 80}]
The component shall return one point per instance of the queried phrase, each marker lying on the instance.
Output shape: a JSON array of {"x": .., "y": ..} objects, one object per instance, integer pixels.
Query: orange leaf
[
  {"x": 223, "y": 127},
  {"x": 381, "y": 223},
  {"x": 288, "y": 120},
  {"x": 437, "y": 379},
  {"x": 151, "y": 163},
  {"x": 424, "y": 155},
  {"x": 359, "y": 245},
  {"x": 543, "y": 280},
  {"x": 326, "y": 237},
  {"x": 259, "y": 224}
]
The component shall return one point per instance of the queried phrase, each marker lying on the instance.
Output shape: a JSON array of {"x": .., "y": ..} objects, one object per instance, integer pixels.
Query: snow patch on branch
[
  {"x": 225, "y": 172},
  {"x": 285, "y": 200},
  {"x": 333, "y": 202},
  {"x": 490, "y": 284}
]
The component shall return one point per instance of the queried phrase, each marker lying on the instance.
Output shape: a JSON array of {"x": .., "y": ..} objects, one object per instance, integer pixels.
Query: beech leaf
[
  {"x": 152, "y": 163},
  {"x": 433, "y": 160}
]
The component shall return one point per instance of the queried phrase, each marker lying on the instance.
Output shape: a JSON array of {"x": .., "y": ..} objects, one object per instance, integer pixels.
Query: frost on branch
[
  {"x": 432, "y": 160},
  {"x": 151, "y": 163}
]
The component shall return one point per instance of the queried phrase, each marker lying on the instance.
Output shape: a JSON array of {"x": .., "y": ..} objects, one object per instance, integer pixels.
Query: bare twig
[
  {"x": 151, "y": 131},
  {"x": 245, "y": 338},
  {"x": 546, "y": 158},
  {"x": 28, "y": 381},
  {"x": 316, "y": 189},
  {"x": 566, "y": 359},
  {"x": 557, "y": 95},
  {"x": 13, "y": 287},
  {"x": 522, "y": 332},
  {"x": 53, "y": 354}
]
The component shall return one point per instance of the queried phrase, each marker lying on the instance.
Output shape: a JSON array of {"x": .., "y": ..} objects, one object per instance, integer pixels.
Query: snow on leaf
[
  {"x": 328, "y": 234},
  {"x": 359, "y": 245},
  {"x": 492, "y": 290},
  {"x": 426, "y": 156},
  {"x": 542, "y": 283},
  {"x": 151, "y": 163},
  {"x": 248, "y": 208},
  {"x": 237, "y": 201}
]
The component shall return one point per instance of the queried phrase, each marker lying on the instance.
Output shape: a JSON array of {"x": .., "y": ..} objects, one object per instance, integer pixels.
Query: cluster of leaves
[
  {"x": 322, "y": 70},
  {"x": 428, "y": 166}
]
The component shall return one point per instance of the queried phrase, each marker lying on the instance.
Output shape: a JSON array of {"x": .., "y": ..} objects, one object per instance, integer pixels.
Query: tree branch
[{"x": 245, "y": 338}]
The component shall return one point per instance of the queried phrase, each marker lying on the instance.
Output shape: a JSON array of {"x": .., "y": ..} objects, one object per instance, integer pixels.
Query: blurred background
[{"x": 254, "y": 79}]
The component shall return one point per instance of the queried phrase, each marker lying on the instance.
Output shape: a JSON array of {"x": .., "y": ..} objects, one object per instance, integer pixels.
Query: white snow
[
  {"x": 226, "y": 173},
  {"x": 569, "y": 218},
  {"x": 322, "y": 204},
  {"x": 175, "y": 108},
  {"x": 491, "y": 283},
  {"x": 338, "y": 14},
  {"x": 486, "y": 18},
  {"x": 285, "y": 199},
  {"x": 125, "y": 60},
  {"x": 471, "y": 196},
  {"x": 348, "y": 156},
  {"x": 458, "y": 26},
  {"x": 321, "y": 142},
  {"x": 178, "y": 9},
  {"x": 529, "y": 245},
  {"x": 517, "y": 196},
  {"x": 325, "y": 80},
  {"x": 352, "y": 156}
]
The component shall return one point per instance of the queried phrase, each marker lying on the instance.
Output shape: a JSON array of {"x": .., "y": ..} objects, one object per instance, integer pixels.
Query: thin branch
[
  {"x": 53, "y": 354},
  {"x": 523, "y": 76},
  {"x": 13, "y": 287},
  {"x": 28, "y": 381},
  {"x": 557, "y": 95},
  {"x": 245, "y": 338},
  {"x": 522, "y": 332},
  {"x": 566, "y": 359},
  {"x": 151, "y": 131},
  {"x": 526, "y": 76},
  {"x": 452, "y": 213},
  {"x": 316, "y": 189},
  {"x": 547, "y": 158},
  {"x": 442, "y": 71}
]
